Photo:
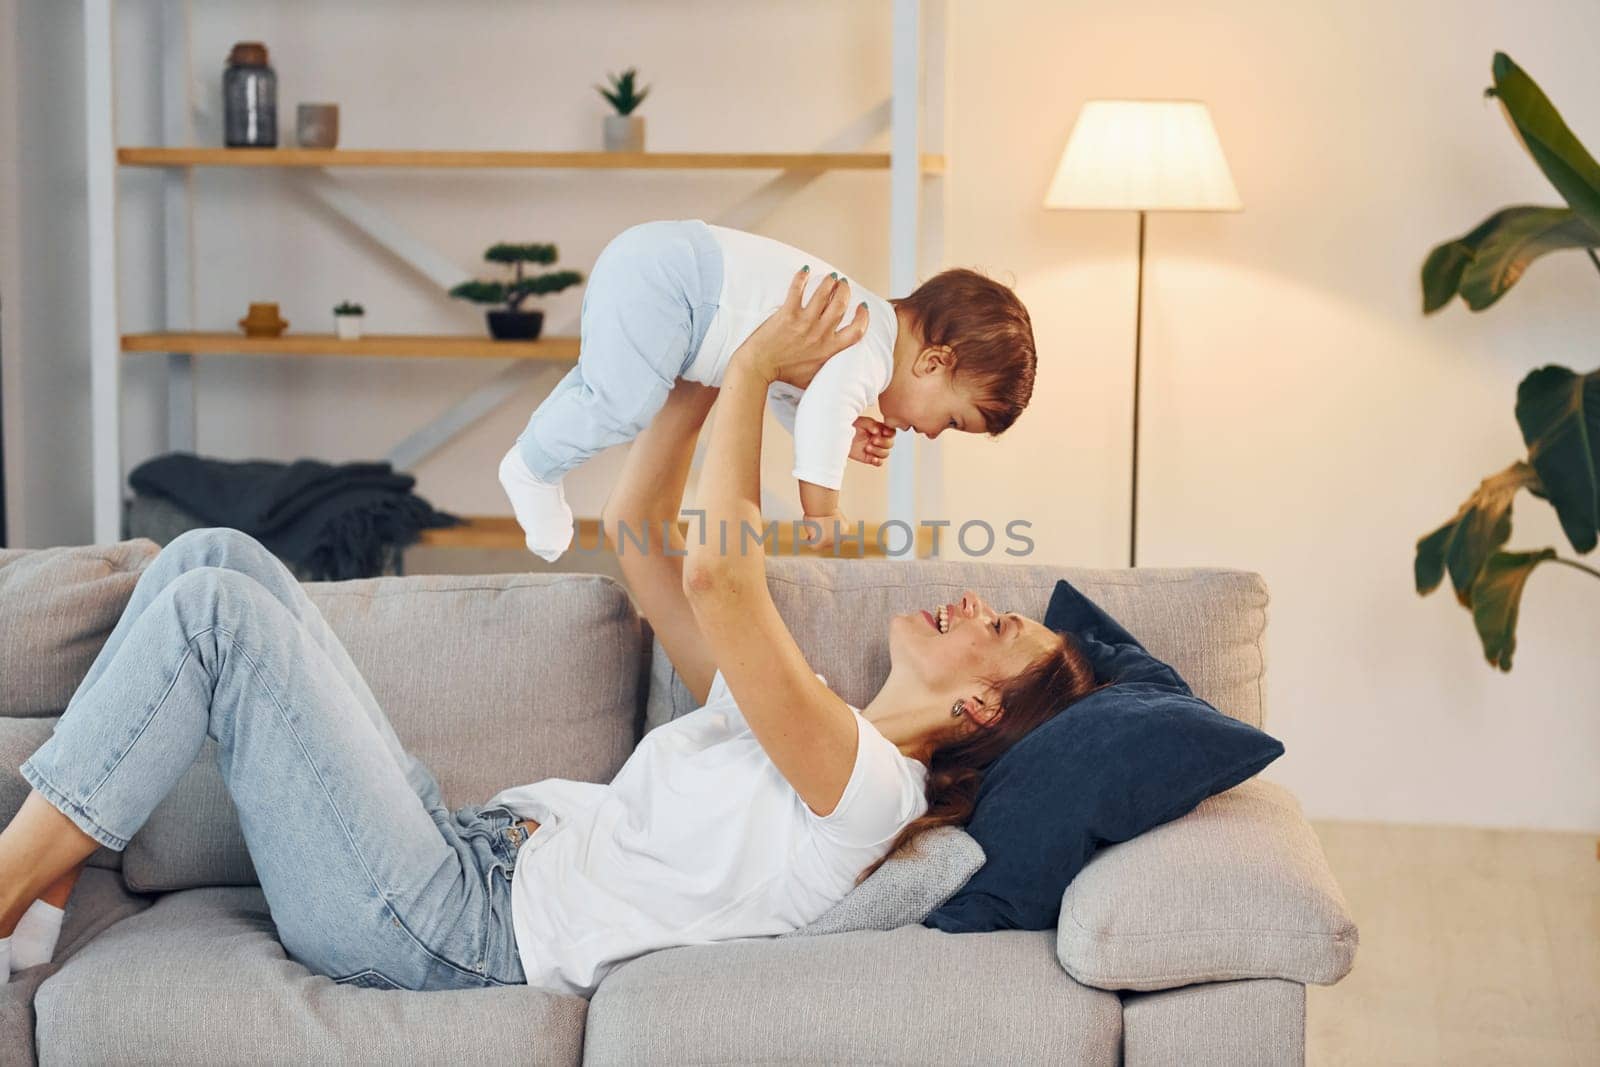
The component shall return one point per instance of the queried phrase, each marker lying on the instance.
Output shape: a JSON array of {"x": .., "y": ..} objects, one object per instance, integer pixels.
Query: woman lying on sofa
[{"x": 749, "y": 817}]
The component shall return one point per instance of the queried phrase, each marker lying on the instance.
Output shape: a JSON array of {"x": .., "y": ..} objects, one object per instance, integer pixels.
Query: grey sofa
[{"x": 1191, "y": 944}]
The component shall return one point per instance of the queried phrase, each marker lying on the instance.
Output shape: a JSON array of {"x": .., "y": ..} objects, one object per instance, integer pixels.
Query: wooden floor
[{"x": 1477, "y": 947}]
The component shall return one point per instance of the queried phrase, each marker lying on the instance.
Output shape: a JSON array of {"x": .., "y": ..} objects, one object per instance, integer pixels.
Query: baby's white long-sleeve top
[{"x": 756, "y": 272}]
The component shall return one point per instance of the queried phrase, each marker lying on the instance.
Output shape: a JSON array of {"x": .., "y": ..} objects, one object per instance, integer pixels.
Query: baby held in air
[{"x": 675, "y": 299}]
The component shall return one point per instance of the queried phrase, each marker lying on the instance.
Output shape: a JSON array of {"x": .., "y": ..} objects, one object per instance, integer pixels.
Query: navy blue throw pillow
[{"x": 1124, "y": 759}]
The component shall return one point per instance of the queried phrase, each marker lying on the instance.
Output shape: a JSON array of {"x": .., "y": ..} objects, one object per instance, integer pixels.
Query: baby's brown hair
[{"x": 988, "y": 329}]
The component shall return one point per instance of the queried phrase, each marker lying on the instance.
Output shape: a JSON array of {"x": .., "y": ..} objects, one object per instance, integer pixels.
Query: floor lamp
[{"x": 1142, "y": 155}]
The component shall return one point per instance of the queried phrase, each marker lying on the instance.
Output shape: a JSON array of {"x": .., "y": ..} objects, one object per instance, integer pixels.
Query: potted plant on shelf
[
  {"x": 512, "y": 323},
  {"x": 347, "y": 320},
  {"x": 624, "y": 131}
]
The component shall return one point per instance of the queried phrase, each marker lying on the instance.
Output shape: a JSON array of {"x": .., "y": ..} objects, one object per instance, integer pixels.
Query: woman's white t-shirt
[{"x": 698, "y": 838}]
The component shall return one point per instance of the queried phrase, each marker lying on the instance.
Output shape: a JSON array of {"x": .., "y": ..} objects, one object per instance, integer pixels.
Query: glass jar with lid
[{"x": 249, "y": 98}]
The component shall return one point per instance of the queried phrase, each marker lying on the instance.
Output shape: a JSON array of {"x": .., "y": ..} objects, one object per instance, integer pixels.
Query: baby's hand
[
  {"x": 823, "y": 540},
  {"x": 872, "y": 441}
]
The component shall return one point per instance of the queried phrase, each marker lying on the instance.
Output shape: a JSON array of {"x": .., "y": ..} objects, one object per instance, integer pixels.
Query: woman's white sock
[
  {"x": 5, "y": 960},
  {"x": 34, "y": 940},
  {"x": 540, "y": 506}
]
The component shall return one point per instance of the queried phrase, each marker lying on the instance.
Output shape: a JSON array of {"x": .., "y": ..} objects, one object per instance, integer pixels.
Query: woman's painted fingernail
[
  {"x": 862, "y": 305},
  {"x": 806, "y": 269},
  {"x": 833, "y": 274}
]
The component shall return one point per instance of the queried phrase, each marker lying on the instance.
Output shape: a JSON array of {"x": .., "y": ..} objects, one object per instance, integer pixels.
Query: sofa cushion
[
  {"x": 19, "y": 738},
  {"x": 905, "y": 996},
  {"x": 922, "y": 874},
  {"x": 492, "y": 681},
  {"x": 57, "y": 607},
  {"x": 98, "y": 901},
  {"x": 1238, "y": 888},
  {"x": 1207, "y": 623},
  {"x": 200, "y": 978}
]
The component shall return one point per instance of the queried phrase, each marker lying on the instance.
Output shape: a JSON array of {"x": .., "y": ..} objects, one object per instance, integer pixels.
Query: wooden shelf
[
  {"x": 932, "y": 163},
  {"x": 435, "y": 346},
  {"x": 502, "y": 531}
]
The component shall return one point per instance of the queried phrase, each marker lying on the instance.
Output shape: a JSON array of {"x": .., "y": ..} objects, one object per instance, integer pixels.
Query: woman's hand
[{"x": 797, "y": 339}]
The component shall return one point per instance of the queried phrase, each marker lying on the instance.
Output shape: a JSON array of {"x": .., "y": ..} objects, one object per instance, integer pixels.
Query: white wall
[
  {"x": 47, "y": 373},
  {"x": 1301, "y": 418},
  {"x": 725, "y": 75},
  {"x": 10, "y": 274}
]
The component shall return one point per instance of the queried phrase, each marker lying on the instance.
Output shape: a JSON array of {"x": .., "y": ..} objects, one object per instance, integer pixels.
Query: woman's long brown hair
[{"x": 1050, "y": 683}]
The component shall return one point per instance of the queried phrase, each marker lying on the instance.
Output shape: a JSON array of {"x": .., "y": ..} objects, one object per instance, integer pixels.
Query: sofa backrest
[
  {"x": 492, "y": 681},
  {"x": 1208, "y": 623},
  {"x": 57, "y": 607},
  {"x": 503, "y": 679}
]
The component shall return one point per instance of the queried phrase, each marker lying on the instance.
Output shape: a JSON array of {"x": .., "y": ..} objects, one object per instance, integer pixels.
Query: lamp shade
[{"x": 1143, "y": 155}]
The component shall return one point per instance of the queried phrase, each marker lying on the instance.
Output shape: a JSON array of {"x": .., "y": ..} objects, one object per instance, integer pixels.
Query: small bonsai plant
[
  {"x": 624, "y": 131},
  {"x": 347, "y": 320},
  {"x": 512, "y": 322}
]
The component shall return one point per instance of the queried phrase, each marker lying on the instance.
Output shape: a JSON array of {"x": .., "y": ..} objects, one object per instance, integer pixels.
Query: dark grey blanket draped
[{"x": 336, "y": 521}]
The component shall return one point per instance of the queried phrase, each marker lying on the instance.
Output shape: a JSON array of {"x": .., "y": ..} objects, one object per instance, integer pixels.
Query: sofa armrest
[
  {"x": 1238, "y": 888},
  {"x": 1261, "y": 1022}
]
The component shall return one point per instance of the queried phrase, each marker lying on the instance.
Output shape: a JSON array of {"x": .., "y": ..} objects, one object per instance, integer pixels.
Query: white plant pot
[
  {"x": 349, "y": 327},
  {"x": 624, "y": 133}
]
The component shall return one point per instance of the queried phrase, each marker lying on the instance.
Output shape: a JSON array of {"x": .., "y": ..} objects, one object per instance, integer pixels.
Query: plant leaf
[
  {"x": 1496, "y": 598},
  {"x": 505, "y": 252},
  {"x": 1559, "y": 412},
  {"x": 549, "y": 282},
  {"x": 480, "y": 292},
  {"x": 1506, "y": 251},
  {"x": 1480, "y": 527},
  {"x": 1441, "y": 271},
  {"x": 1487, "y": 261},
  {"x": 1564, "y": 160}
]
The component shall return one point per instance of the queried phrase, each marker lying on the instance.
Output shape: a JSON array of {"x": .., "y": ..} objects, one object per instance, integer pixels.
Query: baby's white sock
[
  {"x": 5, "y": 960},
  {"x": 34, "y": 940},
  {"x": 540, "y": 507}
]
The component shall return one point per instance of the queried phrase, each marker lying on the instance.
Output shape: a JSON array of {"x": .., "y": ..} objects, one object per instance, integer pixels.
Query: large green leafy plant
[{"x": 1557, "y": 409}]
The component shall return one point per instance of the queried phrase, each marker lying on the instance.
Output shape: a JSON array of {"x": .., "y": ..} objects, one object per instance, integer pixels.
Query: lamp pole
[{"x": 1138, "y": 345}]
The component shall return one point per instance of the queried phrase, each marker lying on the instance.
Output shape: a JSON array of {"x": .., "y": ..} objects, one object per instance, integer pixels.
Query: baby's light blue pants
[{"x": 650, "y": 299}]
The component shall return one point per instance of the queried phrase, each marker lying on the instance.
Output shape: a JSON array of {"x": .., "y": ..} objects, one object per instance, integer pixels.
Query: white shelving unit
[{"x": 914, "y": 115}]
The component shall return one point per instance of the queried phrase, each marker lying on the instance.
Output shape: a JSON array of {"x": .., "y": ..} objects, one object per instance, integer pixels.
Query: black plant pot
[{"x": 515, "y": 325}]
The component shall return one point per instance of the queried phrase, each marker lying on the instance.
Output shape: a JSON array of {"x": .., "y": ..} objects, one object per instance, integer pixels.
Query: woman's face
[{"x": 957, "y": 646}]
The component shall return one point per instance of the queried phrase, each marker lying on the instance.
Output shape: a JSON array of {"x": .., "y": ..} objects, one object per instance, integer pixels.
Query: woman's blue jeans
[{"x": 369, "y": 878}]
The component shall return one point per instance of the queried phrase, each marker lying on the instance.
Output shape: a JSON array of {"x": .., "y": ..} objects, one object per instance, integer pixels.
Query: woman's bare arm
[
  {"x": 644, "y": 507},
  {"x": 806, "y": 730}
]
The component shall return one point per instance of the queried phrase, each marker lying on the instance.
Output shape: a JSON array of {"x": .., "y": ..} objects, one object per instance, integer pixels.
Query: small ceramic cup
[{"x": 317, "y": 125}]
